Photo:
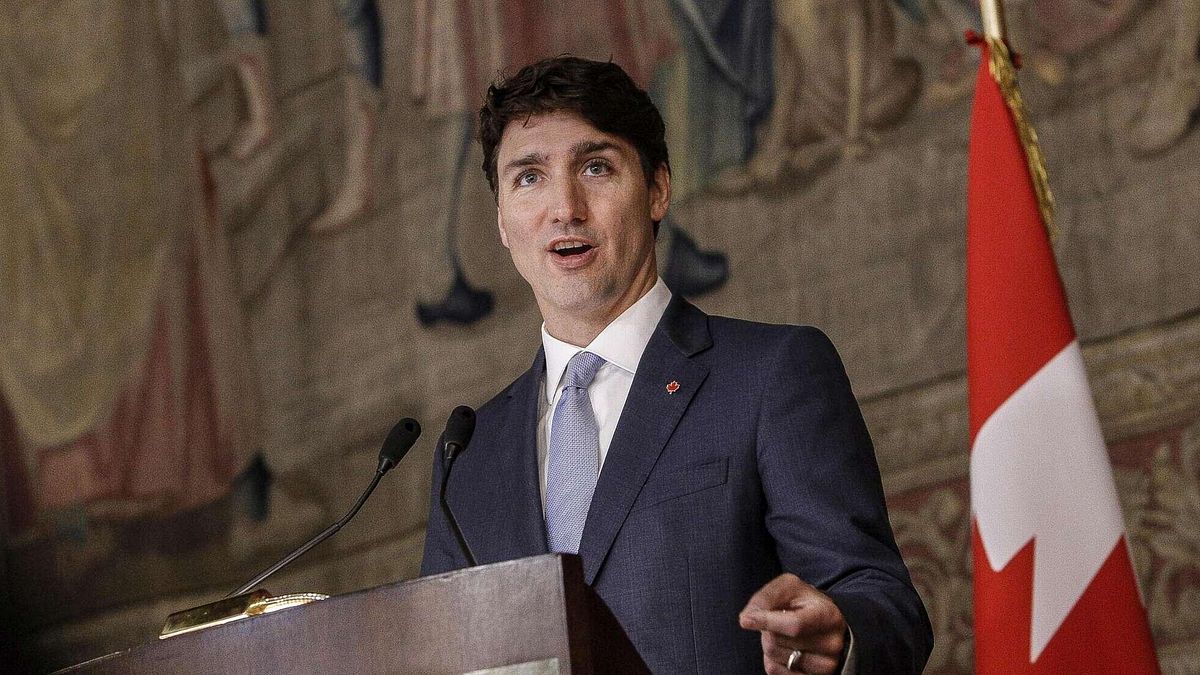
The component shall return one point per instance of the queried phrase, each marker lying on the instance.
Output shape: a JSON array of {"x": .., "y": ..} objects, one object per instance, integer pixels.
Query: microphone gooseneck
[
  {"x": 459, "y": 429},
  {"x": 397, "y": 444}
]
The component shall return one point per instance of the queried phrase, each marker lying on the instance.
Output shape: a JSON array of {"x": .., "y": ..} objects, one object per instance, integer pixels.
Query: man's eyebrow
[
  {"x": 532, "y": 159},
  {"x": 592, "y": 146},
  {"x": 578, "y": 150}
]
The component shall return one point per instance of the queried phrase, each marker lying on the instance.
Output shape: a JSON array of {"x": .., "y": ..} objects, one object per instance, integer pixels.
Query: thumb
[{"x": 777, "y": 594}]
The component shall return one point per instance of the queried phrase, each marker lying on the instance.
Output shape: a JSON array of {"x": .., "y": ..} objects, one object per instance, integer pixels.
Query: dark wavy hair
[{"x": 600, "y": 92}]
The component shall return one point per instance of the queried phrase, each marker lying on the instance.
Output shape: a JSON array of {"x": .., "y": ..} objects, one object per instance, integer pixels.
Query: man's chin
[{"x": 578, "y": 303}]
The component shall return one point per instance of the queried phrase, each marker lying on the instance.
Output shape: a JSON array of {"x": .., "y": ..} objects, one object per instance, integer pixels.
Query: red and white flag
[{"x": 1055, "y": 590}]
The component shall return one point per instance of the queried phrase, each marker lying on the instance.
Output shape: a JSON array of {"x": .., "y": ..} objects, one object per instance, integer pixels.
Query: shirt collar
[{"x": 621, "y": 343}]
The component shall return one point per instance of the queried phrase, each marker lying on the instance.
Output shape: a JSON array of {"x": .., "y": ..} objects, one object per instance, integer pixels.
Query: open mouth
[{"x": 569, "y": 249}]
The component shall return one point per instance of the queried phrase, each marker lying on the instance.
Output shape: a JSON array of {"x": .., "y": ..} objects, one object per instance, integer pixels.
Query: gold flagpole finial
[{"x": 992, "y": 12}]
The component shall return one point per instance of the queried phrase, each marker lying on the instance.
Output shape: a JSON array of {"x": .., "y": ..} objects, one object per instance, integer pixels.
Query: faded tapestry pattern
[{"x": 240, "y": 238}]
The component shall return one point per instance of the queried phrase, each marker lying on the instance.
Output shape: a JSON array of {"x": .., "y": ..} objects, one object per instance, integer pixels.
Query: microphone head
[
  {"x": 398, "y": 442},
  {"x": 460, "y": 427}
]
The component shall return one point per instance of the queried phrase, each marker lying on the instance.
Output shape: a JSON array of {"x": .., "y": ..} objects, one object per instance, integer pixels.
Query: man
[{"x": 714, "y": 475}]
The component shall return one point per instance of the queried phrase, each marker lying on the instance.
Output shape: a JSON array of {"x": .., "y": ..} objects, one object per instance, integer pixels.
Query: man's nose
[{"x": 570, "y": 202}]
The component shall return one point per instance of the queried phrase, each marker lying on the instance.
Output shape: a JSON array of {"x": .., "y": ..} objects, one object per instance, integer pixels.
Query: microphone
[
  {"x": 459, "y": 429},
  {"x": 397, "y": 444}
]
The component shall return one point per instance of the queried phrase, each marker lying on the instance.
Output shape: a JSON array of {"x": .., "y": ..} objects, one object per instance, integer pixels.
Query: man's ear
[
  {"x": 660, "y": 193},
  {"x": 500, "y": 226}
]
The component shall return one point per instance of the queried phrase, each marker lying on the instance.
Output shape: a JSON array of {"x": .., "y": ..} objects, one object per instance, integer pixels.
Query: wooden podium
[{"x": 529, "y": 617}]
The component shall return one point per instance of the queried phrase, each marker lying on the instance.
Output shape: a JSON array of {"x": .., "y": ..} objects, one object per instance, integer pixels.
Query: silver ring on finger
[{"x": 794, "y": 659}]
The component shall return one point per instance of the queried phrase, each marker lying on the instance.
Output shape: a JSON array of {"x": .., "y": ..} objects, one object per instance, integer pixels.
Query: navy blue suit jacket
[{"x": 758, "y": 463}]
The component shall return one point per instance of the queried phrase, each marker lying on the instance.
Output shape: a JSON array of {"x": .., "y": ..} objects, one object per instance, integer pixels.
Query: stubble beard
[{"x": 583, "y": 298}]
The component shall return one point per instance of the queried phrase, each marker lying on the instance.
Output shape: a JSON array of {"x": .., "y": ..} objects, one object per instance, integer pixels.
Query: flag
[{"x": 1055, "y": 590}]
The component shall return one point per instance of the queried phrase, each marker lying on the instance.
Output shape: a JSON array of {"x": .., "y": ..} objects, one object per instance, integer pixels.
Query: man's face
[{"x": 576, "y": 214}]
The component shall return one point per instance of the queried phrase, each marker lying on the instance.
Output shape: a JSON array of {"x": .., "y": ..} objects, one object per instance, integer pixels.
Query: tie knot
[{"x": 581, "y": 369}]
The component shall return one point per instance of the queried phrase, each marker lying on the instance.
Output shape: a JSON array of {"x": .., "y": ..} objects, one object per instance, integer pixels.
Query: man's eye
[
  {"x": 597, "y": 167},
  {"x": 527, "y": 178}
]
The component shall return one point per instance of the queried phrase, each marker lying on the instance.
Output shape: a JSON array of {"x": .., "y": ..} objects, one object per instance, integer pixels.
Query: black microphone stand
[
  {"x": 451, "y": 455},
  {"x": 322, "y": 536}
]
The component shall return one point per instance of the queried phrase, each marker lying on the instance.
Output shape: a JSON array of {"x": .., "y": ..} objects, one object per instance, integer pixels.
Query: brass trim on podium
[{"x": 236, "y": 608}]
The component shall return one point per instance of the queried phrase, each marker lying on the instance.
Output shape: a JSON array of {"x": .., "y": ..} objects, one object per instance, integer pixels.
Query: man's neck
[{"x": 581, "y": 329}]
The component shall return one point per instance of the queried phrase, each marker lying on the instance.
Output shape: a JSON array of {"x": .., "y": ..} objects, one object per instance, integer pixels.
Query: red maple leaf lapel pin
[{"x": 672, "y": 387}]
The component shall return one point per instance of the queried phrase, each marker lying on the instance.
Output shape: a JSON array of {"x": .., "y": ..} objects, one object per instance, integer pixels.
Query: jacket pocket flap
[{"x": 677, "y": 483}]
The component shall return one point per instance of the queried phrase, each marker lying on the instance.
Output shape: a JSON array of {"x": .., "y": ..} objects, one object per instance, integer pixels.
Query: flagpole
[{"x": 992, "y": 12}]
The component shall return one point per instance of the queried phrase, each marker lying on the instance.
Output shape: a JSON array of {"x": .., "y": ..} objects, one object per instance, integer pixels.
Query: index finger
[
  {"x": 778, "y": 593},
  {"x": 791, "y": 623}
]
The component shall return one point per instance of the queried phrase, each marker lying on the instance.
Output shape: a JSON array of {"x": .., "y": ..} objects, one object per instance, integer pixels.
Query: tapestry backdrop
[{"x": 240, "y": 238}]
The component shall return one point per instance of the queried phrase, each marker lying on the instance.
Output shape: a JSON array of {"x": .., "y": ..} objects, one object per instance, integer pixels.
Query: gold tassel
[{"x": 1001, "y": 67}]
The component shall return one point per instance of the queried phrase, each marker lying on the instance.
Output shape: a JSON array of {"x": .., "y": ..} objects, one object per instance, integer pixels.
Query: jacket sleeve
[{"x": 825, "y": 505}]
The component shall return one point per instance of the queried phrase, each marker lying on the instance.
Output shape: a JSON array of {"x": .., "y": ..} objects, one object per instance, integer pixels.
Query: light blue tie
[{"x": 574, "y": 456}]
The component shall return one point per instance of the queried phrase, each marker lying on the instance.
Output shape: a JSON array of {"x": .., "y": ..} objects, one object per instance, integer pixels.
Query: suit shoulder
[
  {"x": 778, "y": 348},
  {"x": 497, "y": 402},
  {"x": 499, "y": 406},
  {"x": 770, "y": 337}
]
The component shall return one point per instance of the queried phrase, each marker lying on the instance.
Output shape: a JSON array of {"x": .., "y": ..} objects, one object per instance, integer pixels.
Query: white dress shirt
[{"x": 620, "y": 344}]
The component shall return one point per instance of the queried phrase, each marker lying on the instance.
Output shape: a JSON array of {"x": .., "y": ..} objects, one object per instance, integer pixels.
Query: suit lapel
[
  {"x": 494, "y": 491},
  {"x": 651, "y": 413}
]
